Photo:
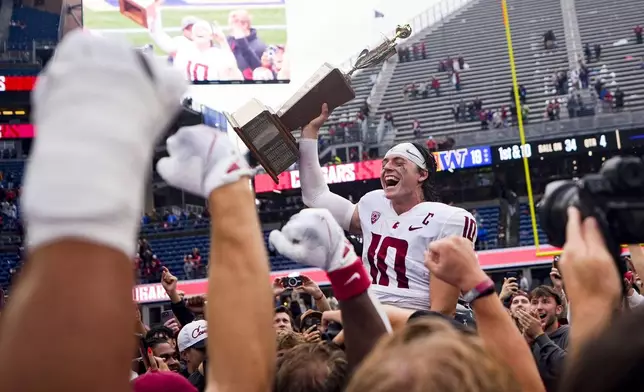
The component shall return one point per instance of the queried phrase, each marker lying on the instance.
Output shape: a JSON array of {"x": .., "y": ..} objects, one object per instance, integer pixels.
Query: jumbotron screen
[{"x": 209, "y": 41}]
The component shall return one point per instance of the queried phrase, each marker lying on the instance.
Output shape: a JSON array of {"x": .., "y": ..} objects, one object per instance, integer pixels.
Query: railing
[
  {"x": 23, "y": 54},
  {"x": 431, "y": 16},
  {"x": 542, "y": 130}
]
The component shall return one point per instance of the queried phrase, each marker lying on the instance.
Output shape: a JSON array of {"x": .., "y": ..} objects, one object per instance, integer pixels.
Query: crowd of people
[
  {"x": 205, "y": 53},
  {"x": 417, "y": 51},
  {"x": 416, "y": 312}
]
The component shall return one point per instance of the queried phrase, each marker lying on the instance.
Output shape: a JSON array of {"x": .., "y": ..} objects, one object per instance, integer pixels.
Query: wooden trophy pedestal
[{"x": 142, "y": 12}]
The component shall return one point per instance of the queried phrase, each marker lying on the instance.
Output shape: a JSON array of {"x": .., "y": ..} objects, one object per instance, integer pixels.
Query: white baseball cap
[
  {"x": 188, "y": 21},
  {"x": 194, "y": 334}
]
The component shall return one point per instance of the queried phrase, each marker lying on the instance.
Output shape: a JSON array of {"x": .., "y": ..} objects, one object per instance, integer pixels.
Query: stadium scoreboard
[{"x": 607, "y": 141}]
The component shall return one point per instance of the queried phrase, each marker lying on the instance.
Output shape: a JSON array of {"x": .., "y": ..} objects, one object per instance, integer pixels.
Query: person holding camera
[{"x": 301, "y": 284}]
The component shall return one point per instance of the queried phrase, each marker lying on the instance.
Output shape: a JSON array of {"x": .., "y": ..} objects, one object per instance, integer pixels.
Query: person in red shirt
[
  {"x": 638, "y": 34},
  {"x": 431, "y": 143},
  {"x": 195, "y": 256},
  {"x": 436, "y": 86}
]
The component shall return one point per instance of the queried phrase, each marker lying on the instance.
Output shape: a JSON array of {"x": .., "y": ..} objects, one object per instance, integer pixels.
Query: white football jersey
[
  {"x": 203, "y": 65},
  {"x": 394, "y": 245}
]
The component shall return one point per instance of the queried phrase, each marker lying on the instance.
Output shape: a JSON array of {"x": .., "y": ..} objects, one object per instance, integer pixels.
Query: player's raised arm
[
  {"x": 444, "y": 296},
  {"x": 315, "y": 191},
  {"x": 160, "y": 37},
  {"x": 203, "y": 162}
]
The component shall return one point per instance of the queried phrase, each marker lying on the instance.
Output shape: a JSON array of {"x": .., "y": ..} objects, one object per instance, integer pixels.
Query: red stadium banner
[
  {"x": 17, "y": 131},
  {"x": 17, "y": 83},
  {"x": 490, "y": 259},
  {"x": 148, "y": 293},
  {"x": 334, "y": 174}
]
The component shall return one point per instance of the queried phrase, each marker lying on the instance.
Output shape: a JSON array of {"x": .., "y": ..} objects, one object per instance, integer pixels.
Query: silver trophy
[{"x": 382, "y": 52}]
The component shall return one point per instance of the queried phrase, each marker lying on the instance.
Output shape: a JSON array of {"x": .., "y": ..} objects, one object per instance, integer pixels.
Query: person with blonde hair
[{"x": 429, "y": 354}]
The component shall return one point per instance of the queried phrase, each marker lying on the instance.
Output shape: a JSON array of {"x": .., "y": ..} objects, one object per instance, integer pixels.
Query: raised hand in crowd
[
  {"x": 313, "y": 237},
  {"x": 96, "y": 100},
  {"x": 278, "y": 288},
  {"x": 196, "y": 304},
  {"x": 311, "y": 334},
  {"x": 311, "y": 288},
  {"x": 203, "y": 161},
  {"x": 139, "y": 325},
  {"x": 557, "y": 281},
  {"x": 510, "y": 286},
  {"x": 453, "y": 260},
  {"x": 156, "y": 364},
  {"x": 169, "y": 283},
  {"x": 174, "y": 325},
  {"x": 592, "y": 281}
]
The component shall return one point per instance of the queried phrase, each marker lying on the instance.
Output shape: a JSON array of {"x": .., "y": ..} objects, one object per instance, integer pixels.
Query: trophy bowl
[{"x": 403, "y": 31}]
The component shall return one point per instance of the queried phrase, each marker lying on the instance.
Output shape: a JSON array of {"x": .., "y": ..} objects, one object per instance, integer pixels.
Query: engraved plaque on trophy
[
  {"x": 141, "y": 12},
  {"x": 268, "y": 135}
]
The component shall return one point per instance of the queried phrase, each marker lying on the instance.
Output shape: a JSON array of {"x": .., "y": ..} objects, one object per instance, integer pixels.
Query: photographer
[{"x": 305, "y": 285}]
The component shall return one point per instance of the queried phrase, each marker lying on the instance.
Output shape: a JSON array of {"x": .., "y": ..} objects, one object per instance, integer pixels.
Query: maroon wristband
[{"x": 350, "y": 281}]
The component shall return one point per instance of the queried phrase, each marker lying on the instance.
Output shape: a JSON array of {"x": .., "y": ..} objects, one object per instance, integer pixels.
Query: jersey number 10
[
  {"x": 377, "y": 255},
  {"x": 196, "y": 71}
]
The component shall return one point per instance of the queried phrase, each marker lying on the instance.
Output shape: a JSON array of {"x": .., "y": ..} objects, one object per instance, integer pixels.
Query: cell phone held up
[
  {"x": 555, "y": 262},
  {"x": 291, "y": 282},
  {"x": 166, "y": 315}
]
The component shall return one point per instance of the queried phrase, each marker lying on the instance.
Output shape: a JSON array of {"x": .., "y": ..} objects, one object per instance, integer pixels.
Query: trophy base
[{"x": 142, "y": 12}]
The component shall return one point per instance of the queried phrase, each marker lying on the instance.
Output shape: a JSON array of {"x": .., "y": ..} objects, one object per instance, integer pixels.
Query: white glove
[
  {"x": 201, "y": 160},
  {"x": 99, "y": 109},
  {"x": 313, "y": 237}
]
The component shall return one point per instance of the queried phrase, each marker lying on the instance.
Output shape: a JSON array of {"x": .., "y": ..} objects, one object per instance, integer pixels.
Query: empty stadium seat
[{"x": 38, "y": 25}]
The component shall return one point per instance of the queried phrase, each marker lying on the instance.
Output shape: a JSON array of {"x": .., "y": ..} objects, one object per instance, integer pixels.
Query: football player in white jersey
[
  {"x": 397, "y": 222},
  {"x": 209, "y": 57},
  {"x": 171, "y": 45}
]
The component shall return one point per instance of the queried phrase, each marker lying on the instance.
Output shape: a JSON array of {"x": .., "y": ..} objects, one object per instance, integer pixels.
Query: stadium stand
[
  {"x": 171, "y": 252},
  {"x": 607, "y": 23},
  {"x": 525, "y": 228},
  {"x": 33, "y": 24},
  {"x": 478, "y": 35},
  {"x": 362, "y": 85}
]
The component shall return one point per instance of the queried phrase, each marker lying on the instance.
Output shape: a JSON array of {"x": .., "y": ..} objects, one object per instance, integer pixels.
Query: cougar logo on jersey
[{"x": 374, "y": 217}]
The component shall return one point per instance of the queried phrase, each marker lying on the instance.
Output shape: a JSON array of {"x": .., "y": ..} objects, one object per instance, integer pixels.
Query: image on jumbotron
[{"x": 212, "y": 41}]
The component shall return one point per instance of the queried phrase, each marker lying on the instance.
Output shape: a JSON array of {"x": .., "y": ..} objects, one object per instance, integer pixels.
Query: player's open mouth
[
  {"x": 543, "y": 316},
  {"x": 391, "y": 181}
]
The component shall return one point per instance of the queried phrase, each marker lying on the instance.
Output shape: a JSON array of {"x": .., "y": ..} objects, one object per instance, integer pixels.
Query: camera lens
[
  {"x": 624, "y": 173},
  {"x": 552, "y": 209},
  {"x": 292, "y": 282}
]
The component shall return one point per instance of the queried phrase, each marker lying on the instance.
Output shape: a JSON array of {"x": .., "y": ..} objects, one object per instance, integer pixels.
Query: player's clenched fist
[
  {"x": 312, "y": 237},
  {"x": 453, "y": 261},
  {"x": 201, "y": 160}
]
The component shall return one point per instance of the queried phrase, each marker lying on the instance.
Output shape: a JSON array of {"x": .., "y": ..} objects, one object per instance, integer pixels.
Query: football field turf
[{"x": 102, "y": 21}]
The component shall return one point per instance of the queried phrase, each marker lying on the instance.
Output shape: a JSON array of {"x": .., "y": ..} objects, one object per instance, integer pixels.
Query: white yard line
[{"x": 174, "y": 29}]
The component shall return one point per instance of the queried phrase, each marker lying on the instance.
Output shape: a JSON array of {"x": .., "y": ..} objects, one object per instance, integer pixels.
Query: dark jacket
[
  {"x": 182, "y": 313},
  {"x": 248, "y": 52},
  {"x": 549, "y": 352}
]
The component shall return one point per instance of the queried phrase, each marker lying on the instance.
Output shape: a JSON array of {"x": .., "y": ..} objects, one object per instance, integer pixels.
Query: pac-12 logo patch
[{"x": 374, "y": 217}]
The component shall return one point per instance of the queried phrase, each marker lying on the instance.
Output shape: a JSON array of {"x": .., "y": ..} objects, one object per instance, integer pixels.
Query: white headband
[{"x": 408, "y": 151}]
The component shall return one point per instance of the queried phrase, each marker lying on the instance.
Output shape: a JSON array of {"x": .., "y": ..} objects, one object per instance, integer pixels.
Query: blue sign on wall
[{"x": 462, "y": 158}]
